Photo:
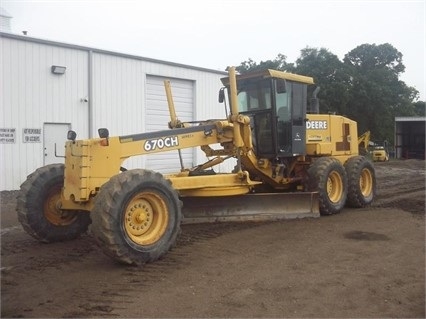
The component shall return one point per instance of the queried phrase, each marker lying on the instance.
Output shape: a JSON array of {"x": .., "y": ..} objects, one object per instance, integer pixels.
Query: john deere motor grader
[{"x": 288, "y": 161}]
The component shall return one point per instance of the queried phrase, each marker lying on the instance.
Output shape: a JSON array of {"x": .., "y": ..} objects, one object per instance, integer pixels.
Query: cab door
[
  {"x": 299, "y": 102},
  {"x": 255, "y": 100},
  {"x": 290, "y": 104}
]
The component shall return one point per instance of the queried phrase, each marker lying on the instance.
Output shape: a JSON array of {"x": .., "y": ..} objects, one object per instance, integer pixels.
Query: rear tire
[
  {"x": 327, "y": 176},
  {"x": 136, "y": 217},
  {"x": 38, "y": 207},
  {"x": 361, "y": 182}
]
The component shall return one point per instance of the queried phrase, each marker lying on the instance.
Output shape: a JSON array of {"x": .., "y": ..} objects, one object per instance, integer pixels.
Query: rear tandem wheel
[
  {"x": 136, "y": 217},
  {"x": 328, "y": 177},
  {"x": 361, "y": 182}
]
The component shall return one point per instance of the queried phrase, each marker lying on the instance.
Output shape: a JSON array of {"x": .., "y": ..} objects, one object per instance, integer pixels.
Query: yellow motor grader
[{"x": 288, "y": 160}]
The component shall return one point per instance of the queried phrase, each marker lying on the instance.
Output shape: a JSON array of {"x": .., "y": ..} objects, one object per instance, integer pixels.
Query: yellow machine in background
[
  {"x": 380, "y": 154},
  {"x": 364, "y": 143},
  {"x": 289, "y": 160}
]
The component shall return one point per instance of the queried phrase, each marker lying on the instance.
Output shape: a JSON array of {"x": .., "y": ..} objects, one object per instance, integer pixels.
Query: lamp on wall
[{"x": 56, "y": 69}]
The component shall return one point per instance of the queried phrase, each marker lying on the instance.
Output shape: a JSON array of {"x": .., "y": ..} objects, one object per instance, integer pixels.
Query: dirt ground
[{"x": 360, "y": 263}]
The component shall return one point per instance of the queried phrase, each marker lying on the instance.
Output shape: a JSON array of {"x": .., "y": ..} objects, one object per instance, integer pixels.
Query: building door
[
  {"x": 157, "y": 118},
  {"x": 54, "y": 138}
]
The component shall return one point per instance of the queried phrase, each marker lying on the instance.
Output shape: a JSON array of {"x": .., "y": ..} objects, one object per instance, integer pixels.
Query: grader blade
[{"x": 250, "y": 207}]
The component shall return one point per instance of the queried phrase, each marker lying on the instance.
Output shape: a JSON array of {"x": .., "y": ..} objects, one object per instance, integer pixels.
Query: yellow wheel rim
[
  {"x": 146, "y": 218},
  {"x": 366, "y": 182},
  {"x": 52, "y": 209},
  {"x": 334, "y": 187}
]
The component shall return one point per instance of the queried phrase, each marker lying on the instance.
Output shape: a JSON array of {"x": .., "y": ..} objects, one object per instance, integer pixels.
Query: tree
[
  {"x": 279, "y": 63},
  {"x": 372, "y": 56},
  {"x": 420, "y": 108},
  {"x": 330, "y": 74},
  {"x": 376, "y": 93}
]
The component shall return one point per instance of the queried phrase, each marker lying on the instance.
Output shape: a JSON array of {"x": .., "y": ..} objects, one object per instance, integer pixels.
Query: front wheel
[
  {"x": 361, "y": 181},
  {"x": 39, "y": 207},
  {"x": 136, "y": 217},
  {"x": 328, "y": 177}
]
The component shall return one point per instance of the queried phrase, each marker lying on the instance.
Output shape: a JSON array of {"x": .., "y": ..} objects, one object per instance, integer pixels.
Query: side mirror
[
  {"x": 103, "y": 133},
  {"x": 71, "y": 136},
  {"x": 221, "y": 95}
]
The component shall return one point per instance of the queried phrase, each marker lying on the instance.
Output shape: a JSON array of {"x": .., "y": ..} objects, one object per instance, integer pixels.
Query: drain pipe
[{"x": 90, "y": 97}]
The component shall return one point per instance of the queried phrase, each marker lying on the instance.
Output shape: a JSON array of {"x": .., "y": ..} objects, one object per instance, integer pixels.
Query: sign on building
[
  {"x": 7, "y": 135},
  {"x": 31, "y": 135}
]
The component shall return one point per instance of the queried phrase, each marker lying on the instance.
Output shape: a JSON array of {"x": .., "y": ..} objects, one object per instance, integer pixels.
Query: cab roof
[{"x": 269, "y": 73}]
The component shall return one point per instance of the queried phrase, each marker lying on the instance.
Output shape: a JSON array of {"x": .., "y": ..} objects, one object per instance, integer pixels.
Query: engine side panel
[{"x": 331, "y": 135}]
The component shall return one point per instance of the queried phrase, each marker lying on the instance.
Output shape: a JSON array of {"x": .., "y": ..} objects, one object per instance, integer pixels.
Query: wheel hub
[
  {"x": 145, "y": 218},
  {"x": 52, "y": 209},
  {"x": 139, "y": 217},
  {"x": 334, "y": 187},
  {"x": 365, "y": 182}
]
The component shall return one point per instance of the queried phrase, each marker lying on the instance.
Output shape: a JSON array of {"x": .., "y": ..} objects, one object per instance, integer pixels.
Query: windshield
[{"x": 254, "y": 95}]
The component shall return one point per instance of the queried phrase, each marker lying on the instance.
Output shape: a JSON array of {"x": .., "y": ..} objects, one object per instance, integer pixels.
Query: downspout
[{"x": 90, "y": 97}]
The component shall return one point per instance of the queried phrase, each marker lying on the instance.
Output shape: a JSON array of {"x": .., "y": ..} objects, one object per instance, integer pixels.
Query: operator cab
[{"x": 276, "y": 103}]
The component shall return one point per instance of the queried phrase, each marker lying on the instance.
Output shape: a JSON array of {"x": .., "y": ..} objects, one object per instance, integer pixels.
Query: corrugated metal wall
[
  {"x": 115, "y": 85},
  {"x": 158, "y": 117},
  {"x": 31, "y": 96}
]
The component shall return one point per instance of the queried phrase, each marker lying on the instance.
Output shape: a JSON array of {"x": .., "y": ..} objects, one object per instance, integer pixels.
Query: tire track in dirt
[
  {"x": 97, "y": 298},
  {"x": 414, "y": 202},
  {"x": 194, "y": 240},
  {"x": 177, "y": 258},
  {"x": 102, "y": 302},
  {"x": 401, "y": 186}
]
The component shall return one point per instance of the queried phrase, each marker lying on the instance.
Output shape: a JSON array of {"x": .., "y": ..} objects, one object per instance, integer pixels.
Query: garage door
[{"x": 158, "y": 117}]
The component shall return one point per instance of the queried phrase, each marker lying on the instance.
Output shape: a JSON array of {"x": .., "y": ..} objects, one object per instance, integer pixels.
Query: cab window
[
  {"x": 283, "y": 103},
  {"x": 254, "y": 95}
]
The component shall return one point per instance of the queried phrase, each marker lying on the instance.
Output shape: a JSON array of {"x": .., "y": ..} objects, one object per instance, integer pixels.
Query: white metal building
[{"x": 49, "y": 87}]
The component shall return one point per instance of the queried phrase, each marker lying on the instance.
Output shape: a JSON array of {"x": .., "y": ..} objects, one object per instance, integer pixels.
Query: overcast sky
[{"x": 217, "y": 33}]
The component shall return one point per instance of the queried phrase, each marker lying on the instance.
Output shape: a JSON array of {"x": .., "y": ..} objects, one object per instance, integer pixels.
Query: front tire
[
  {"x": 328, "y": 177},
  {"x": 38, "y": 207},
  {"x": 361, "y": 181},
  {"x": 136, "y": 217}
]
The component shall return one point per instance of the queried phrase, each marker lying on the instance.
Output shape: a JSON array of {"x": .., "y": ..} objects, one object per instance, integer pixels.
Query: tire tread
[{"x": 105, "y": 215}]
